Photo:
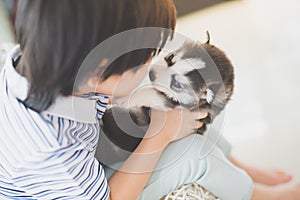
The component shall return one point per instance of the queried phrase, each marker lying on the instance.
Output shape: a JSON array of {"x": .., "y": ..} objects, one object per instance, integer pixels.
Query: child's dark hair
[{"x": 56, "y": 35}]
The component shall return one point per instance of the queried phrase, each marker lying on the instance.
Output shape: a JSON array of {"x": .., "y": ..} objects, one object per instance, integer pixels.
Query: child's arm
[{"x": 129, "y": 181}]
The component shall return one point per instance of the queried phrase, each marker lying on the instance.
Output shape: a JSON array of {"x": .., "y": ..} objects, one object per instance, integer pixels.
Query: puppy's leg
[{"x": 146, "y": 97}]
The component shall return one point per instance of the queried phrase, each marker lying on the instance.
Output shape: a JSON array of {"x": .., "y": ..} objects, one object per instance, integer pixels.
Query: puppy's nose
[{"x": 152, "y": 75}]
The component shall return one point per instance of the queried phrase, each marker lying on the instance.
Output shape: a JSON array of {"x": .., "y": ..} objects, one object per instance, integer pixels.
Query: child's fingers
[{"x": 200, "y": 115}]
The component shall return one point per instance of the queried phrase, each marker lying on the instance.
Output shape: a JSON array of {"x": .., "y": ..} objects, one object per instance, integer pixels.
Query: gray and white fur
[{"x": 197, "y": 76}]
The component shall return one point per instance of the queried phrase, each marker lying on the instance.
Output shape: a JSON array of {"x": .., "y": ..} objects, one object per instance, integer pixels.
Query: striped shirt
[{"x": 48, "y": 155}]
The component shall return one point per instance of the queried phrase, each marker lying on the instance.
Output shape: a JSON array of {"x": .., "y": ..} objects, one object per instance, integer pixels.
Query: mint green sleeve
[
  {"x": 181, "y": 164},
  {"x": 220, "y": 140}
]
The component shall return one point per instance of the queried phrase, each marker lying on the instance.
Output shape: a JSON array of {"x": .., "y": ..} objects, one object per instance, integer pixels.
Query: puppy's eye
[
  {"x": 169, "y": 59},
  {"x": 176, "y": 84}
]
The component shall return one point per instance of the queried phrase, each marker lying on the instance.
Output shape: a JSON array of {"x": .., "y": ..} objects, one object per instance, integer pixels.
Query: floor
[{"x": 262, "y": 38}]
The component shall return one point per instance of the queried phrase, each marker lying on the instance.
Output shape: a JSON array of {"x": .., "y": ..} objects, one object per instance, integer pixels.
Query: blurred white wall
[{"x": 262, "y": 38}]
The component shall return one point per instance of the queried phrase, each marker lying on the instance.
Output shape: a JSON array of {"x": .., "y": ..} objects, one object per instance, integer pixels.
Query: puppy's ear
[
  {"x": 215, "y": 86},
  {"x": 208, "y": 37}
]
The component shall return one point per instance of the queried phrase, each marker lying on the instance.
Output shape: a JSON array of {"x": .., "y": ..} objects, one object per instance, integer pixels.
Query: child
[{"x": 46, "y": 147}]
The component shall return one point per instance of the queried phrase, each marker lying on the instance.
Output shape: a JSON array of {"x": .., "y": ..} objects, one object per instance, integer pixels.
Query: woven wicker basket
[{"x": 190, "y": 191}]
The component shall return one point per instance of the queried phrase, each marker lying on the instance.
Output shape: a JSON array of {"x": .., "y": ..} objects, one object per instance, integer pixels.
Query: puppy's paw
[
  {"x": 122, "y": 102},
  {"x": 129, "y": 102}
]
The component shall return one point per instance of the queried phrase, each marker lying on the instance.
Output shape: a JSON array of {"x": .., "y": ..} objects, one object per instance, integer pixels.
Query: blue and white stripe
[{"x": 49, "y": 155}]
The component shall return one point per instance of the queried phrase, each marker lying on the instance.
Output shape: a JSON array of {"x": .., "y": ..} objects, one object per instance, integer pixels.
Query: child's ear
[{"x": 93, "y": 81}]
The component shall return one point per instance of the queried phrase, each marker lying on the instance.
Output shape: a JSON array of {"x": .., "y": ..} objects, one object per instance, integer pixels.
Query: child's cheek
[{"x": 129, "y": 81}]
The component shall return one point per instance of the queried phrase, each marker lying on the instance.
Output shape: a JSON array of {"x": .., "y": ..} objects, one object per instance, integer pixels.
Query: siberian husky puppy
[{"x": 197, "y": 76}]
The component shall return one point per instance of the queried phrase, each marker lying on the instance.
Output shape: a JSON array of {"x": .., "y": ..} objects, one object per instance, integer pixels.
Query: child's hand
[{"x": 175, "y": 124}]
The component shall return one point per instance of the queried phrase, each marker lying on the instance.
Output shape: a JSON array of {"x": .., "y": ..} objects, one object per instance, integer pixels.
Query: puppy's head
[{"x": 197, "y": 75}]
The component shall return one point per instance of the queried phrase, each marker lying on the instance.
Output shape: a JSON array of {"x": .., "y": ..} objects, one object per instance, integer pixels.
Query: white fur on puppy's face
[{"x": 171, "y": 80}]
